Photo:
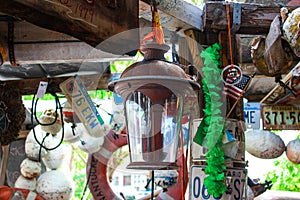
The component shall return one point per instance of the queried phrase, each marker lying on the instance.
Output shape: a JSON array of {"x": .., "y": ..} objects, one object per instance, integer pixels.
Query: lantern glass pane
[{"x": 153, "y": 128}]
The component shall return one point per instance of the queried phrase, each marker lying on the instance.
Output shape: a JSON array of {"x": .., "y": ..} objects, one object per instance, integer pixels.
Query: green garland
[{"x": 210, "y": 132}]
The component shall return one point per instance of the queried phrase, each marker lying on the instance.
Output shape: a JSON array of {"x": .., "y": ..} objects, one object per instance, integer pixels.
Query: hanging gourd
[
  {"x": 264, "y": 144},
  {"x": 293, "y": 151}
]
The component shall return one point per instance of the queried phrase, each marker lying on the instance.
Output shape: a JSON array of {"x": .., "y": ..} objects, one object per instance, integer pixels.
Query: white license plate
[
  {"x": 82, "y": 104},
  {"x": 235, "y": 181}
]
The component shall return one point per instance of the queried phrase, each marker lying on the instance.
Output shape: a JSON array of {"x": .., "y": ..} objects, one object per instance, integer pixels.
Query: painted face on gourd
[{"x": 49, "y": 117}]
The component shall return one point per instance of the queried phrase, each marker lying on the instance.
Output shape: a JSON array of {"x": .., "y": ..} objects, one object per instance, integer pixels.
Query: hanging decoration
[
  {"x": 157, "y": 34},
  {"x": 209, "y": 133},
  {"x": 291, "y": 28},
  {"x": 12, "y": 114},
  {"x": 264, "y": 144},
  {"x": 293, "y": 151}
]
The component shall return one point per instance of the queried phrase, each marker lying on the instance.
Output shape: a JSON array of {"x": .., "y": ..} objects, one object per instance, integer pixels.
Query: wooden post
[{"x": 5, "y": 153}]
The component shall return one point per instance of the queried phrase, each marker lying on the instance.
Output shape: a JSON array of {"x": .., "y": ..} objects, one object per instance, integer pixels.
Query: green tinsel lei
[{"x": 210, "y": 131}]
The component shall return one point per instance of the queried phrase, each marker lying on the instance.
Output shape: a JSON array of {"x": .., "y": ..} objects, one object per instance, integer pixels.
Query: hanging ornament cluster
[
  {"x": 268, "y": 145},
  {"x": 12, "y": 114},
  {"x": 43, "y": 146},
  {"x": 75, "y": 131}
]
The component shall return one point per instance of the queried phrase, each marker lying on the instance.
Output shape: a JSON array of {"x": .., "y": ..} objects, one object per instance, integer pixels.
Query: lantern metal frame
[{"x": 172, "y": 79}]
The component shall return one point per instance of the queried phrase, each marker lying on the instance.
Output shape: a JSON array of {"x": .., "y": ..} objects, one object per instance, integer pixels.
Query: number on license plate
[
  {"x": 281, "y": 117},
  {"x": 235, "y": 180}
]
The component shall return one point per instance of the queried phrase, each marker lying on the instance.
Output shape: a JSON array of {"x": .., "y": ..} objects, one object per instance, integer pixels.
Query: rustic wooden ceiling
[{"x": 56, "y": 39}]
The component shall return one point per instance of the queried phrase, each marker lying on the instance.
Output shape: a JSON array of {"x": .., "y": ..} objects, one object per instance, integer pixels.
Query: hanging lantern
[{"x": 154, "y": 91}]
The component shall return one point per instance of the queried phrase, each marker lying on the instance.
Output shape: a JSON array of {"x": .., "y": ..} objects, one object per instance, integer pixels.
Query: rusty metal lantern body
[{"x": 154, "y": 92}]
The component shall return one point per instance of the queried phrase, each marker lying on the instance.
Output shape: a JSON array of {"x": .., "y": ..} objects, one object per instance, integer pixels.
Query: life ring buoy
[
  {"x": 97, "y": 166},
  {"x": 97, "y": 170},
  {"x": 6, "y": 192}
]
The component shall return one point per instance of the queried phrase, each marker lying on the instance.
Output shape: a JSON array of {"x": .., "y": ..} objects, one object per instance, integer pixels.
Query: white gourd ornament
[
  {"x": 30, "y": 168},
  {"x": 48, "y": 117},
  {"x": 32, "y": 147},
  {"x": 90, "y": 144},
  {"x": 55, "y": 185},
  {"x": 54, "y": 158},
  {"x": 264, "y": 144}
]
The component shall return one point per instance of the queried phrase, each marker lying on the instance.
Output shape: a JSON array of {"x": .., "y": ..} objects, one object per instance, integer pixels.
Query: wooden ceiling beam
[
  {"x": 92, "y": 22},
  {"x": 255, "y": 19},
  {"x": 30, "y": 86},
  {"x": 36, "y": 45},
  {"x": 61, "y": 52}
]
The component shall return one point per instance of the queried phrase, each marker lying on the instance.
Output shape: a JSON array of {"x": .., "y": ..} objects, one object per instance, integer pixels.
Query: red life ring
[
  {"x": 97, "y": 170},
  {"x": 96, "y": 167},
  {"x": 6, "y": 192}
]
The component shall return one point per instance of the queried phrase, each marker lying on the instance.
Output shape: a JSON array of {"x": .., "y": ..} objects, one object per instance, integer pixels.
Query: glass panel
[{"x": 153, "y": 128}]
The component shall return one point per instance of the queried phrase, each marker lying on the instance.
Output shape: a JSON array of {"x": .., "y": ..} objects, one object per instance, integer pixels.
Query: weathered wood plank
[
  {"x": 61, "y": 52},
  {"x": 280, "y": 94},
  {"x": 36, "y": 45},
  {"x": 195, "y": 49},
  {"x": 4, "y": 159},
  {"x": 25, "y": 32},
  {"x": 90, "y": 21},
  {"x": 255, "y": 19},
  {"x": 30, "y": 86}
]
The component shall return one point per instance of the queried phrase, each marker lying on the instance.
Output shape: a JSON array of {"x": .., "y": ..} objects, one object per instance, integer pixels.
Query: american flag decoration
[{"x": 235, "y": 91}]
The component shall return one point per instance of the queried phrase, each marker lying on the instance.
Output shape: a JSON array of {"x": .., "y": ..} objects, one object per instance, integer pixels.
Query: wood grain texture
[
  {"x": 255, "y": 19},
  {"x": 92, "y": 23}
]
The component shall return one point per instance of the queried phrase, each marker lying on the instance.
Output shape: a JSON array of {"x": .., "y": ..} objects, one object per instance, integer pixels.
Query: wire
[
  {"x": 40, "y": 151},
  {"x": 87, "y": 183},
  {"x": 152, "y": 185},
  {"x": 33, "y": 114}
]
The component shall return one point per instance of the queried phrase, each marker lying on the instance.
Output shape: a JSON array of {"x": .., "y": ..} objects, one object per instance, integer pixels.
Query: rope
[
  {"x": 229, "y": 32},
  {"x": 33, "y": 114}
]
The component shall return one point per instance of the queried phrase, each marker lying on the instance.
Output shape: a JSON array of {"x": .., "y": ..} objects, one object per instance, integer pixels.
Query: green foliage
[
  {"x": 196, "y": 2},
  {"x": 79, "y": 174},
  {"x": 286, "y": 176},
  {"x": 100, "y": 94},
  {"x": 120, "y": 65},
  {"x": 46, "y": 97}
]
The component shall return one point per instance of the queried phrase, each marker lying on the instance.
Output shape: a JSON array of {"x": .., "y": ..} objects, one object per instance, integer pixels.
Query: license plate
[
  {"x": 235, "y": 182},
  {"x": 82, "y": 104},
  {"x": 281, "y": 117}
]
